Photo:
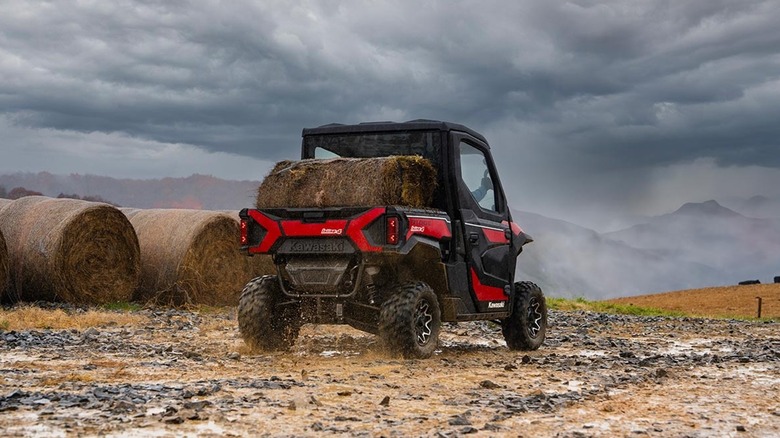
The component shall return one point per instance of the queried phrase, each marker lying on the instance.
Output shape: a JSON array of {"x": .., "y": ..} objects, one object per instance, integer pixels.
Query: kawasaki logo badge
[
  {"x": 417, "y": 229},
  {"x": 496, "y": 305},
  {"x": 317, "y": 247},
  {"x": 331, "y": 232}
]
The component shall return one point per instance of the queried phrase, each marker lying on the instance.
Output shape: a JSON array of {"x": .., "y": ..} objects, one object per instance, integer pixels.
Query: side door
[{"x": 485, "y": 222}]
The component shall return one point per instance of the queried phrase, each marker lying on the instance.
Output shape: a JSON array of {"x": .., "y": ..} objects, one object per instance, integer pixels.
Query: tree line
[{"x": 21, "y": 192}]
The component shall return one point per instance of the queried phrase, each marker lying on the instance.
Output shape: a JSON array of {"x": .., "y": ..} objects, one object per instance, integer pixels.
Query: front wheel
[
  {"x": 410, "y": 321},
  {"x": 526, "y": 327}
]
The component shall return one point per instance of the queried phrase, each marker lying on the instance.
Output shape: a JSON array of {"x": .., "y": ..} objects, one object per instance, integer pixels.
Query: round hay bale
[
  {"x": 3, "y": 267},
  {"x": 3, "y": 257},
  {"x": 69, "y": 250},
  {"x": 190, "y": 257}
]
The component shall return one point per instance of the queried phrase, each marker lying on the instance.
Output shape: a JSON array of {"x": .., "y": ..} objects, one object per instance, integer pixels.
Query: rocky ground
[{"x": 183, "y": 373}]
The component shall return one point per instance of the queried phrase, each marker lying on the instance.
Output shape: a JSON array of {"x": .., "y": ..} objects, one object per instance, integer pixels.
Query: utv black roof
[{"x": 411, "y": 125}]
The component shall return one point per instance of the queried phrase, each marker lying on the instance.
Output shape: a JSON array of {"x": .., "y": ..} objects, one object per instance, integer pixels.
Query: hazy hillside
[
  {"x": 756, "y": 206},
  {"x": 571, "y": 261},
  {"x": 740, "y": 247},
  {"x": 196, "y": 191},
  {"x": 699, "y": 245}
]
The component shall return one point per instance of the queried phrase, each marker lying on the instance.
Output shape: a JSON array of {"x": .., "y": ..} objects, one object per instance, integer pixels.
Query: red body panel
[
  {"x": 495, "y": 236},
  {"x": 271, "y": 227},
  {"x": 486, "y": 293},
  {"x": 331, "y": 228},
  {"x": 434, "y": 227},
  {"x": 356, "y": 226},
  {"x": 302, "y": 229}
]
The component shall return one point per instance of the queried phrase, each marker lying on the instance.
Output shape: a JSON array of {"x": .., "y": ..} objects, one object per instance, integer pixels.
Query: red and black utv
[{"x": 394, "y": 271}]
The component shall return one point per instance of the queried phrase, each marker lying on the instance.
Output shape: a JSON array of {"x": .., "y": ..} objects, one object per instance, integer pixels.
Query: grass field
[{"x": 715, "y": 302}]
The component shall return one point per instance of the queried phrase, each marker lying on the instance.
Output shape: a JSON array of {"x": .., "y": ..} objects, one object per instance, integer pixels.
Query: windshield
[{"x": 367, "y": 145}]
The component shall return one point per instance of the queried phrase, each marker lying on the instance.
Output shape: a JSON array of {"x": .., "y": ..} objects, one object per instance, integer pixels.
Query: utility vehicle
[{"x": 394, "y": 271}]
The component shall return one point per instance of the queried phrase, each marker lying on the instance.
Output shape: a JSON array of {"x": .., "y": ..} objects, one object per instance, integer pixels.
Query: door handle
[{"x": 473, "y": 237}]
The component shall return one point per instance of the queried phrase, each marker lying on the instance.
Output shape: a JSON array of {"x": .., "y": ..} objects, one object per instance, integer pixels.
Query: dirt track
[{"x": 184, "y": 373}]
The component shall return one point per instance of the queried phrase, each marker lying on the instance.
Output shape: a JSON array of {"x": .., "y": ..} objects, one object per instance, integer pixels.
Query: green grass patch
[
  {"x": 122, "y": 306},
  {"x": 567, "y": 304},
  {"x": 575, "y": 304}
]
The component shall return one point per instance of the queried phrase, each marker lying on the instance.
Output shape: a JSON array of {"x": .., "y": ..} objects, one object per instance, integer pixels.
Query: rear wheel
[
  {"x": 410, "y": 321},
  {"x": 263, "y": 324},
  {"x": 526, "y": 327}
]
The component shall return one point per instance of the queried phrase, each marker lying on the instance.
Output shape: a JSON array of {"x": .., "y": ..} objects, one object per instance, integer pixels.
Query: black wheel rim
[
  {"x": 534, "y": 317},
  {"x": 423, "y": 321}
]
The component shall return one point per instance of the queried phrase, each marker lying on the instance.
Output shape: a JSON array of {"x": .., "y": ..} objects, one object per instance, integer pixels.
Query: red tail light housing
[
  {"x": 244, "y": 226},
  {"x": 392, "y": 235}
]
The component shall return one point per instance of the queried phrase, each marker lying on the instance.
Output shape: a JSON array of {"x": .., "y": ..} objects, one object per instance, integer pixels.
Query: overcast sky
[{"x": 620, "y": 107}]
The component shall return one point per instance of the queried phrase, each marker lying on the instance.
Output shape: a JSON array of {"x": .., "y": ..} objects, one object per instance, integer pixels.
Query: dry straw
[
  {"x": 191, "y": 257},
  {"x": 3, "y": 257},
  {"x": 3, "y": 267},
  {"x": 349, "y": 182},
  {"x": 69, "y": 250}
]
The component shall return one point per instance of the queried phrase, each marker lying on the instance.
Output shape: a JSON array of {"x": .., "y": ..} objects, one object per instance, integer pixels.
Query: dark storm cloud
[{"x": 573, "y": 88}]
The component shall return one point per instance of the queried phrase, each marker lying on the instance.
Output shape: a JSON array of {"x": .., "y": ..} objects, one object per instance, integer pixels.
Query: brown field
[
  {"x": 28, "y": 317},
  {"x": 717, "y": 302},
  {"x": 173, "y": 372}
]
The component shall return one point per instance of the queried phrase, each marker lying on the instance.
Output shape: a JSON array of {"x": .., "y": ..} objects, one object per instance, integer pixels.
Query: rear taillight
[
  {"x": 244, "y": 232},
  {"x": 391, "y": 226}
]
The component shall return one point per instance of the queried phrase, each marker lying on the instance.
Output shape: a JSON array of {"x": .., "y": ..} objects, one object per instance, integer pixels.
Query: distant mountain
[
  {"x": 571, "y": 261},
  {"x": 760, "y": 207},
  {"x": 739, "y": 247},
  {"x": 196, "y": 191},
  {"x": 709, "y": 209}
]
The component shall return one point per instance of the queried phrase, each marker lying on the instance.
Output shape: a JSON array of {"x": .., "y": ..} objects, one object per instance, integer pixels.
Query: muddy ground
[{"x": 182, "y": 373}]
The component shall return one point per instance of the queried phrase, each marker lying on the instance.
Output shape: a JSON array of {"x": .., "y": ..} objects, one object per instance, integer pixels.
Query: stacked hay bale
[
  {"x": 3, "y": 262},
  {"x": 3, "y": 267},
  {"x": 3, "y": 258},
  {"x": 345, "y": 182},
  {"x": 69, "y": 250},
  {"x": 190, "y": 257}
]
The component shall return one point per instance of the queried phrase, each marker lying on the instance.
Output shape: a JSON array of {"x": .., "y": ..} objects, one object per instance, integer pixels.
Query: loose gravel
[{"x": 185, "y": 373}]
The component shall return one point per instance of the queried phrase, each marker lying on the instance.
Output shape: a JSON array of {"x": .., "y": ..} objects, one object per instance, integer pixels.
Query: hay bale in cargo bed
[
  {"x": 69, "y": 250},
  {"x": 190, "y": 257},
  {"x": 349, "y": 182}
]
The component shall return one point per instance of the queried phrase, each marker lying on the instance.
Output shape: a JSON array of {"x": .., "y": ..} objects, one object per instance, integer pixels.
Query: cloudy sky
[{"x": 592, "y": 107}]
